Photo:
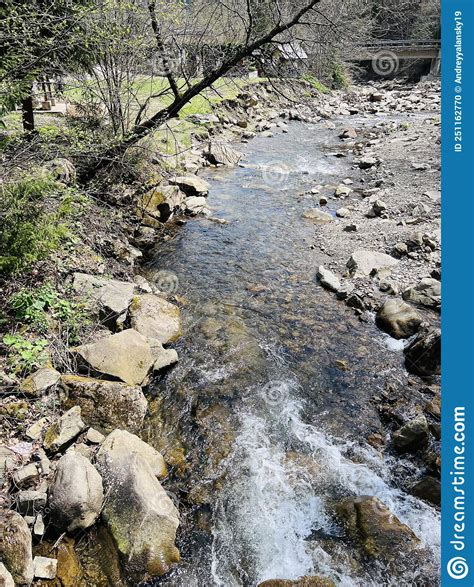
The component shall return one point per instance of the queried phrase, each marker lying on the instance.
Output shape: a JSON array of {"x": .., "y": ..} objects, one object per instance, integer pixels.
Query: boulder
[
  {"x": 64, "y": 430},
  {"x": 163, "y": 357},
  {"x": 426, "y": 293},
  {"x": 44, "y": 567},
  {"x": 140, "y": 515},
  {"x": 113, "y": 296},
  {"x": 191, "y": 185},
  {"x": 343, "y": 212},
  {"x": 6, "y": 580},
  {"x": 342, "y": 190},
  {"x": 428, "y": 489},
  {"x": 125, "y": 355},
  {"x": 413, "y": 436},
  {"x": 363, "y": 262},
  {"x": 155, "y": 318},
  {"x": 328, "y": 279},
  {"x": 423, "y": 355},
  {"x": 370, "y": 523},
  {"x": 348, "y": 133},
  {"x": 15, "y": 547},
  {"x": 399, "y": 319},
  {"x": 157, "y": 205},
  {"x": 317, "y": 216},
  {"x": 8, "y": 461},
  {"x": 76, "y": 494},
  {"x": 195, "y": 204},
  {"x": 367, "y": 162},
  {"x": 30, "y": 502},
  {"x": 222, "y": 154},
  {"x": 106, "y": 404},
  {"x": 40, "y": 381}
]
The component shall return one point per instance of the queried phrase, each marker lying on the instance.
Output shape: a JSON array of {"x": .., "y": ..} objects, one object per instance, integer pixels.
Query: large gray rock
[
  {"x": 195, "y": 204},
  {"x": 140, "y": 515},
  {"x": 64, "y": 430},
  {"x": 40, "y": 381},
  {"x": 423, "y": 355},
  {"x": 426, "y": 293},
  {"x": 15, "y": 547},
  {"x": 106, "y": 404},
  {"x": 191, "y": 185},
  {"x": 76, "y": 494},
  {"x": 317, "y": 216},
  {"x": 113, "y": 296},
  {"x": 399, "y": 319},
  {"x": 328, "y": 279},
  {"x": 126, "y": 355},
  {"x": 363, "y": 262},
  {"x": 157, "y": 205},
  {"x": 414, "y": 435},
  {"x": 155, "y": 318},
  {"x": 222, "y": 154},
  {"x": 6, "y": 579}
]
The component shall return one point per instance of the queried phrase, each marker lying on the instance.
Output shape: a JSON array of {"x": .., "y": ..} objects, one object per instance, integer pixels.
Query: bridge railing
[{"x": 401, "y": 43}]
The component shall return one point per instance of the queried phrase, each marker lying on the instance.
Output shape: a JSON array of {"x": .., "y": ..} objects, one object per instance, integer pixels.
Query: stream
[{"x": 270, "y": 403}]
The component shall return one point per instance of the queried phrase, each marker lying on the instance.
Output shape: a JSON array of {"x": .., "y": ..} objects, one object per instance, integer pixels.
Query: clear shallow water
[{"x": 258, "y": 398}]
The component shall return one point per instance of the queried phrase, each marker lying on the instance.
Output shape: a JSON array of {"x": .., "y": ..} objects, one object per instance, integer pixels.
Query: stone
[
  {"x": 76, "y": 493},
  {"x": 426, "y": 293},
  {"x": 30, "y": 501},
  {"x": 348, "y": 133},
  {"x": 328, "y": 280},
  {"x": 317, "y": 216},
  {"x": 423, "y": 355},
  {"x": 400, "y": 249},
  {"x": 94, "y": 436},
  {"x": 370, "y": 523},
  {"x": 413, "y": 436},
  {"x": 7, "y": 463},
  {"x": 40, "y": 381},
  {"x": 363, "y": 262},
  {"x": 367, "y": 162},
  {"x": 39, "y": 527},
  {"x": 355, "y": 301},
  {"x": 191, "y": 185},
  {"x": 428, "y": 489},
  {"x": 195, "y": 204},
  {"x": 64, "y": 430},
  {"x": 106, "y": 404},
  {"x": 323, "y": 201},
  {"x": 350, "y": 228},
  {"x": 36, "y": 429},
  {"x": 343, "y": 212},
  {"x": 344, "y": 291},
  {"x": 113, "y": 296},
  {"x": 155, "y": 318},
  {"x": 158, "y": 205},
  {"x": 6, "y": 580},
  {"x": 379, "y": 207},
  {"x": 125, "y": 355},
  {"x": 222, "y": 154},
  {"x": 26, "y": 475},
  {"x": 342, "y": 190},
  {"x": 44, "y": 567},
  {"x": 15, "y": 547},
  {"x": 164, "y": 358},
  {"x": 398, "y": 319},
  {"x": 138, "y": 512}
]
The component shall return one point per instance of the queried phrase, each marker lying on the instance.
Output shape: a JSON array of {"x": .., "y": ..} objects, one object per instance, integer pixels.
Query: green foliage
[
  {"x": 317, "y": 85},
  {"x": 29, "y": 229},
  {"x": 24, "y": 355},
  {"x": 41, "y": 307},
  {"x": 340, "y": 76}
]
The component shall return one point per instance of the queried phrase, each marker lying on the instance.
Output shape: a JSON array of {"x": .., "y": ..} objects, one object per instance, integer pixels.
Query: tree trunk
[{"x": 28, "y": 116}]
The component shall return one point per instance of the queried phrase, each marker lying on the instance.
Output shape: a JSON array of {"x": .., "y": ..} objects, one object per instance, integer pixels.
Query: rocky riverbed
[{"x": 208, "y": 411}]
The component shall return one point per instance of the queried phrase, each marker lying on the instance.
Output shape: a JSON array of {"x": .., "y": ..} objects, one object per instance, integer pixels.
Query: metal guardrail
[{"x": 402, "y": 43}]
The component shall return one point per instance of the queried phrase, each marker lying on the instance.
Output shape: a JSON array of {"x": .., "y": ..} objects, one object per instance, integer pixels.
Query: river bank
[{"x": 194, "y": 414}]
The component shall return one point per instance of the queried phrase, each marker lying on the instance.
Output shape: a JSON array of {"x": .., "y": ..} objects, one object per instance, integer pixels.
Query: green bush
[
  {"x": 317, "y": 85},
  {"x": 30, "y": 222},
  {"x": 24, "y": 355},
  {"x": 340, "y": 76}
]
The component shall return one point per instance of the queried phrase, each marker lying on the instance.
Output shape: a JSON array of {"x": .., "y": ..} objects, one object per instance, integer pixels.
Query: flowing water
[{"x": 271, "y": 399}]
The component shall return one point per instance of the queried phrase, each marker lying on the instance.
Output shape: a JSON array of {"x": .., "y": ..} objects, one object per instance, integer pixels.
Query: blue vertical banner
[{"x": 457, "y": 66}]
